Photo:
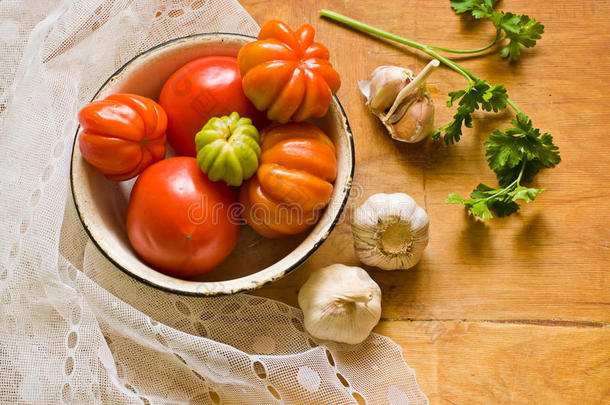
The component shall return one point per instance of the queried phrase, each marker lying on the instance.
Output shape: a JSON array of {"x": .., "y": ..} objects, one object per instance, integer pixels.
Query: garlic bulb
[
  {"x": 340, "y": 303},
  {"x": 390, "y": 231},
  {"x": 401, "y": 101}
]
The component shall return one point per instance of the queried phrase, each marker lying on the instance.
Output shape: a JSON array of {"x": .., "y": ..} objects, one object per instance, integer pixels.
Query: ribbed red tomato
[
  {"x": 179, "y": 221},
  {"x": 204, "y": 88},
  {"x": 287, "y": 73},
  {"x": 122, "y": 134}
]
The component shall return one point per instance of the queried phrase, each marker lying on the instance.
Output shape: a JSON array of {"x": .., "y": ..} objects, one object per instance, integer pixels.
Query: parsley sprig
[
  {"x": 515, "y": 154},
  {"x": 520, "y": 30}
]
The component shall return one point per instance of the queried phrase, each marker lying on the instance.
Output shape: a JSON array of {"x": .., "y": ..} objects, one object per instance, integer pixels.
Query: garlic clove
[
  {"x": 416, "y": 123},
  {"x": 401, "y": 101},
  {"x": 383, "y": 88},
  {"x": 390, "y": 231},
  {"x": 340, "y": 303},
  {"x": 414, "y": 87}
]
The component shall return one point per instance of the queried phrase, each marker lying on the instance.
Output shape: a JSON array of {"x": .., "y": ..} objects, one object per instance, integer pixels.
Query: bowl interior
[{"x": 102, "y": 204}]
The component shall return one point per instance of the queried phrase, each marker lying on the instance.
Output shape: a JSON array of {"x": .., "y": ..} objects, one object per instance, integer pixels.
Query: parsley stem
[
  {"x": 510, "y": 102},
  {"x": 471, "y": 77},
  {"x": 522, "y": 171},
  {"x": 469, "y": 51},
  {"x": 384, "y": 34},
  {"x": 508, "y": 188}
]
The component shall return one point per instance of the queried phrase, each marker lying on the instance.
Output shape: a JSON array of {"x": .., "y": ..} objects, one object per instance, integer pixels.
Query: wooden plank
[{"x": 491, "y": 363}]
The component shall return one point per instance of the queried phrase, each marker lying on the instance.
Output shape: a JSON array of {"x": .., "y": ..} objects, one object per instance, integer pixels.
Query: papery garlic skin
[
  {"x": 340, "y": 303},
  {"x": 401, "y": 101},
  {"x": 383, "y": 88},
  {"x": 390, "y": 231}
]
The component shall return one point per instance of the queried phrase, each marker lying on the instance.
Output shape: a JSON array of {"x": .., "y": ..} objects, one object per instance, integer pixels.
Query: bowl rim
[{"x": 293, "y": 266}]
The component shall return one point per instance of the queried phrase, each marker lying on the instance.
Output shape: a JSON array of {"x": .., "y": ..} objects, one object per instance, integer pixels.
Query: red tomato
[
  {"x": 179, "y": 221},
  {"x": 204, "y": 88},
  {"x": 122, "y": 135}
]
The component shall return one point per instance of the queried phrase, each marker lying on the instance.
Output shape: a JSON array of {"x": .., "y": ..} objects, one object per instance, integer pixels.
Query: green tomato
[{"x": 228, "y": 149}]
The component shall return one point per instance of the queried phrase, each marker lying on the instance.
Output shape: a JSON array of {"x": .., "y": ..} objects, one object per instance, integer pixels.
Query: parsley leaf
[
  {"x": 520, "y": 30},
  {"x": 520, "y": 145},
  {"x": 483, "y": 200},
  {"x": 516, "y": 155},
  {"x": 501, "y": 201},
  {"x": 480, "y": 95},
  {"x": 478, "y": 8},
  {"x": 526, "y": 194}
]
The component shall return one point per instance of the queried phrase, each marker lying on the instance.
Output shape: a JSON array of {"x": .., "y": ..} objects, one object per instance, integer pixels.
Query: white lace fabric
[{"x": 73, "y": 328}]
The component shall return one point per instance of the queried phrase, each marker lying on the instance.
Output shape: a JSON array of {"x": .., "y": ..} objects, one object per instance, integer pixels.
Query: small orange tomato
[
  {"x": 294, "y": 181},
  {"x": 122, "y": 135},
  {"x": 273, "y": 218},
  {"x": 287, "y": 74},
  {"x": 294, "y": 186}
]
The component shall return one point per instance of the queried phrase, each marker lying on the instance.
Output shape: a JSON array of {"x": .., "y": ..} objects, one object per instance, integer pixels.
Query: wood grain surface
[{"x": 515, "y": 310}]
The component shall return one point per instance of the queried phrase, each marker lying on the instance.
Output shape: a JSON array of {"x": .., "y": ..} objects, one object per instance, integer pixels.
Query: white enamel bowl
[{"x": 256, "y": 261}]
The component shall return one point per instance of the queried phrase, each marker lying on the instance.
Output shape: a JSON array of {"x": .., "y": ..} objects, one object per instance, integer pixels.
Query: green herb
[
  {"x": 479, "y": 95},
  {"x": 478, "y": 8},
  {"x": 515, "y": 154},
  {"x": 519, "y": 30},
  {"x": 520, "y": 145}
]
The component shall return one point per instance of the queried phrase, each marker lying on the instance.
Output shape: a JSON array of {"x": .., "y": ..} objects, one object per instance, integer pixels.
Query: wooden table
[{"x": 514, "y": 310}]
